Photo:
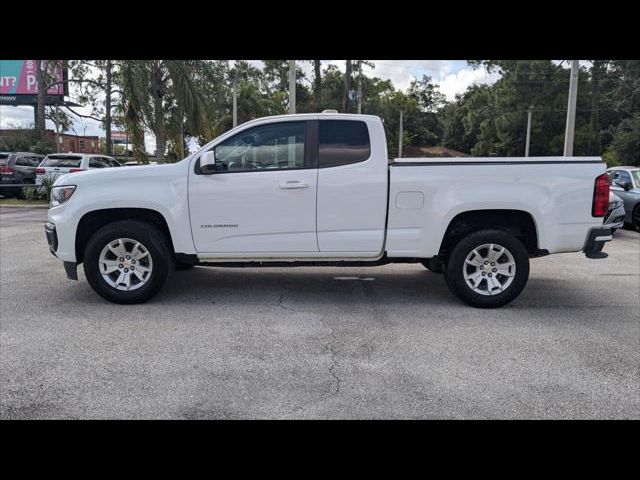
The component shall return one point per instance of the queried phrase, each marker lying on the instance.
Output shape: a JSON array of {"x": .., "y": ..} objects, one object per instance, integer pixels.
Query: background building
[{"x": 65, "y": 142}]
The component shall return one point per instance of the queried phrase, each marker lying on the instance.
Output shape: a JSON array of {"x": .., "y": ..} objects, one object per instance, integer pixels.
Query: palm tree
[{"x": 152, "y": 89}]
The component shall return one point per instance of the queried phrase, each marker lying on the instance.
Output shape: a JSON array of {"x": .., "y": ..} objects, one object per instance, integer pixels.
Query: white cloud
[{"x": 458, "y": 82}]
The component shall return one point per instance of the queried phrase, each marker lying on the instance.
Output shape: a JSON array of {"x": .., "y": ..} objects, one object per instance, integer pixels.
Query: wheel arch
[
  {"x": 95, "y": 219},
  {"x": 519, "y": 223}
]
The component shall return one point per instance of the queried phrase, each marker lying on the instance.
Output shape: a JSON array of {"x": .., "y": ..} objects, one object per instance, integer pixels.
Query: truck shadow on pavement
[{"x": 344, "y": 286}]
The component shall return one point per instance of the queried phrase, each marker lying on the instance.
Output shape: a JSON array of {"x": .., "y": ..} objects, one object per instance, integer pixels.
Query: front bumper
[
  {"x": 52, "y": 237},
  {"x": 614, "y": 218},
  {"x": 596, "y": 238}
]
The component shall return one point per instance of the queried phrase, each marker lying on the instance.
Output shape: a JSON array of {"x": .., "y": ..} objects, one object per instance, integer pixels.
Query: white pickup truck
[{"x": 318, "y": 189}]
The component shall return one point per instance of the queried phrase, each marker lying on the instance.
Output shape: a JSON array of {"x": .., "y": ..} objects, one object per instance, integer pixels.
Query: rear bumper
[
  {"x": 8, "y": 184},
  {"x": 596, "y": 238}
]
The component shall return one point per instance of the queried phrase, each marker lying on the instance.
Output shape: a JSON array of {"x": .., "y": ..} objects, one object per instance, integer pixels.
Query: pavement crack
[{"x": 281, "y": 303}]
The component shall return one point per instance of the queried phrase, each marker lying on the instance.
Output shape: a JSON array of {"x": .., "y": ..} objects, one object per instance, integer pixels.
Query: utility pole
[
  {"x": 400, "y": 137},
  {"x": 359, "y": 87},
  {"x": 526, "y": 148},
  {"x": 235, "y": 104},
  {"x": 292, "y": 86},
  {"x": 571, "y": 110},
  {"x": 347, "y": 87}
]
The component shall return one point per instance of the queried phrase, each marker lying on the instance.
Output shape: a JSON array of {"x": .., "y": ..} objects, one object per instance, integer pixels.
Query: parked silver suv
[{"x": 625, "y": 183}]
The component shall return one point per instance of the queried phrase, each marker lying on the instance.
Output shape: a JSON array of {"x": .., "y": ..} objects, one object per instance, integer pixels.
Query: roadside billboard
[
  {"x": 119, "y": 137},
  {"x": 18, "y": 84}
]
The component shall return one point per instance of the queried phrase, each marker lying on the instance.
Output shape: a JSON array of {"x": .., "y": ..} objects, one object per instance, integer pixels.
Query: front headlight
[{"x": 59, "y": 195}]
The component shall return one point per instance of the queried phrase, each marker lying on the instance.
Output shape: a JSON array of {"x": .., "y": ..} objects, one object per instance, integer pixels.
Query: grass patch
[{"x": 16, "y": 201}]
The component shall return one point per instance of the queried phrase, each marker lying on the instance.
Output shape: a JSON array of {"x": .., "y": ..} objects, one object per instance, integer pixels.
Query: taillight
[
  {"x": 73, "y": 170},
  {"x": 601, "y": 196},
  {"x": 5, "y": 169},
  {"x": 40, "y": 171}
]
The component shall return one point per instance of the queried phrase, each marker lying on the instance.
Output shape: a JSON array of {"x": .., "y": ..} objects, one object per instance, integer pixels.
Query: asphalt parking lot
[{"x": 382, "y": 342}]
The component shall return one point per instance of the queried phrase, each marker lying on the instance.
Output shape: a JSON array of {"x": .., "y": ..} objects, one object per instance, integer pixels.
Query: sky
[{"x": 452, "y": 76}]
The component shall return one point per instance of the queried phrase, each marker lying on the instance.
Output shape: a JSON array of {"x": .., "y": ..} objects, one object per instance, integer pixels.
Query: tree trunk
[
  {"x": 107, "y": 107},
  {"x": 180, "y": 139},
  {"x": 40, "y": 125},
  {"x": 157, "y": 93},
  {"x": 317, "y": 80}
]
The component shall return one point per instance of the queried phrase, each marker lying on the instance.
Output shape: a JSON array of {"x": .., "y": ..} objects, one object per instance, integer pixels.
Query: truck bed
[{"x": 426, "y": 194}]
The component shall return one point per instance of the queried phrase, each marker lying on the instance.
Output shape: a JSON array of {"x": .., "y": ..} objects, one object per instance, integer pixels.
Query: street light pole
[
  {"x": 400, "y": 137},
  {"x": 359, "y": 87},
  {"x": 292, "y": 86},
  {"x": 235, "y": 104},
  {"x": 571, "y": 110},
  {"x": 526, "y": 148}
]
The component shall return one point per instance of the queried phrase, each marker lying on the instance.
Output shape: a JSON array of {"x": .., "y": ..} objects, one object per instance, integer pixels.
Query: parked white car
[
  {"x": 57, "y": 164},
  {"x": 318, "y": 189}
]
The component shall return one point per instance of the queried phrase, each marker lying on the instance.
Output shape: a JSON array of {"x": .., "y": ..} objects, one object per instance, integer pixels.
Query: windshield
[
  {"x": 3, "y": 158},
  {"x": 636, "y": 177},
  {"x": 68, "y": 161}
]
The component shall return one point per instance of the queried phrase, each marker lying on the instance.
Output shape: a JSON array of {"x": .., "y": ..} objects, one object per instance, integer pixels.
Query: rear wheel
[
  {"x": 635, "y": 217},
  {"x": 127, "y": 261},
  {"x": 488, "y": 269}
]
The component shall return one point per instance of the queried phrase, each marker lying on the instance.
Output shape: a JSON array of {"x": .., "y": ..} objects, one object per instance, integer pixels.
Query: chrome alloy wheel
[
  {"x": 489, "y": 269},
  {"x": 125, "y": 264}
]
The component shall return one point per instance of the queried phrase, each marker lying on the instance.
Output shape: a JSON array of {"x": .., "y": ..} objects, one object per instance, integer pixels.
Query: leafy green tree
[
  {"x": 151, "y": 88},
  {"x": 624, "y": 148}
]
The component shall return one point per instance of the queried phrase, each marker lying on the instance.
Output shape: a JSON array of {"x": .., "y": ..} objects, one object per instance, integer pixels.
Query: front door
[{"x": 262, "y": 198}]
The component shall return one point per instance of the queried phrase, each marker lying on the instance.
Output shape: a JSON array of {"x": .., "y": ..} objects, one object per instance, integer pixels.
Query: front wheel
[
  {"x": 488, "y": 269},
  {"x": 635, "y": 217},
  {"x": 127, "y": 261}
]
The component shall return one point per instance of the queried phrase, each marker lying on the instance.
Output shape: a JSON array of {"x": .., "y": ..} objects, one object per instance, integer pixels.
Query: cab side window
[
  {"x": 97, "y": 162},
  {"x": 343, "y": 142},
  {"x": 280, "y": 146}
]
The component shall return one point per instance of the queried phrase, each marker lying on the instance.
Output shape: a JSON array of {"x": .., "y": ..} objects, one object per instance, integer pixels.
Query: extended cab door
[
  {"x": 352, "y": 184},
  {"x": 262, "y": 198}
]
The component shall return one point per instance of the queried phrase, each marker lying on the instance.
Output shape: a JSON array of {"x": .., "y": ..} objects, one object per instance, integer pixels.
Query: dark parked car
[{"x": 15, "y": 169}]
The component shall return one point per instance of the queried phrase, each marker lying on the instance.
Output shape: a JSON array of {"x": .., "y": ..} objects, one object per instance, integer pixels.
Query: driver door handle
[{"x": 293, "y": 184}]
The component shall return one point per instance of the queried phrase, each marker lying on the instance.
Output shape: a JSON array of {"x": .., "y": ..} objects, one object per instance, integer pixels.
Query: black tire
[
  {"x": 147, "y": 234},
  {"x": 454, "y": 273},
  {"x": 433, "y": 265},
  {"x": 635, "y": 218}
]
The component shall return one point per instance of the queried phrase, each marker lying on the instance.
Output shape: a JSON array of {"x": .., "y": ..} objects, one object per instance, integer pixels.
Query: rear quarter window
[
  {"x": 343, "y": 142},
  {"x": 65, "y": 161}
]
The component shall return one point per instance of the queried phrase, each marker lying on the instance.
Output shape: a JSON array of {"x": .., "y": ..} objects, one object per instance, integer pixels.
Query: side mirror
[
  {"x": 624, "y": 185},
  {"x": 208, "y": 162}
]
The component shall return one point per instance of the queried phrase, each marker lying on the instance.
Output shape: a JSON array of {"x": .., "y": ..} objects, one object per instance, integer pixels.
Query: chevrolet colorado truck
[{"x": 318, "y": 189}]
